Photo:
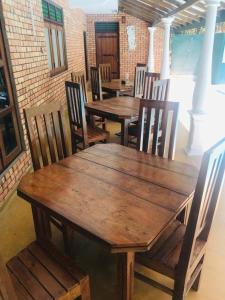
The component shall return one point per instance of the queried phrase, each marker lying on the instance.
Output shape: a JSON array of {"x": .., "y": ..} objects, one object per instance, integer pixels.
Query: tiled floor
[{"x": 16, "y": 231}]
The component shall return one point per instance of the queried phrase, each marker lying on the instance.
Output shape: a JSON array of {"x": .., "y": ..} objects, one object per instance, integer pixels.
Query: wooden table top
[
  {"x": 119, "y": 196},
  {"x": 118, "y": 107},
  {"x": 117, "y": 86}
]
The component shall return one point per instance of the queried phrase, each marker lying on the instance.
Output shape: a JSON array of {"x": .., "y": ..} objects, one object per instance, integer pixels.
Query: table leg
[
  {"x": 41, "y": 224},
  {"x": 124, "y": 132},
  {"x": 126, "y": 275}
]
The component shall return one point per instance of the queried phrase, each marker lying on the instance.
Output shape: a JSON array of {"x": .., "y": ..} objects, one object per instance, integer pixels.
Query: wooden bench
[{"x": 42, "y": 273}]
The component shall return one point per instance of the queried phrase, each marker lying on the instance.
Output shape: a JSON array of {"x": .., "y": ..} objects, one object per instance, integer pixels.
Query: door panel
[{"x": 107, "y": 51}]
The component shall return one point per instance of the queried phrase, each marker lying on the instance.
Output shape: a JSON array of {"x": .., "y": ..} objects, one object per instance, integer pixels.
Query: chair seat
[
  {"x": 42, "y": 274},
  {"x": 107, "y": 95},
  {"x": 164, "y": 255},
  {"x": 95, "y": 134}
]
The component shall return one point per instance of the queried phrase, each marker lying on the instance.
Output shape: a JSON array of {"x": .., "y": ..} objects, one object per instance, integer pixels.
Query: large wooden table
[
  {"x": 124, "y": 110},
  {"x": 115, "y": 86},
  {"x": 122, "y": 198}
]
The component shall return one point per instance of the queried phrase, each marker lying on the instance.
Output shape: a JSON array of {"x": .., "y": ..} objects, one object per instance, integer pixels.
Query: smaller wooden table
[
  {"x": 116, "y": 87},
  {"x": 120, "y": 109}
]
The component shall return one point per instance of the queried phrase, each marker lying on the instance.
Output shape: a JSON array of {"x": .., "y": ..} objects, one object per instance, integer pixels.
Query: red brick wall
[
  {"x": 128, "y": 59},
  {"x": 29, "y": 63}
]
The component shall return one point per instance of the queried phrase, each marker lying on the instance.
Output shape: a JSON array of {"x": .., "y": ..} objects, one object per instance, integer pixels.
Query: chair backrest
[
  {"x": 157, "y": 127},
  {"x": 141, "y": 65},
  {"x": 207, "y": 192},
  {"x": 48, "y": 133},
  {"x": 106, "y": 72},
  {"x": 96, "y": 83},
  {"x": 160, "y": 90},
  {"x": 80, "y": 77},
  {"x": 148, "y": 84},
  {"x": 76, "y": 108},
  {"x": 139, "y": 80},
  {"x": 7, "y": 291}
]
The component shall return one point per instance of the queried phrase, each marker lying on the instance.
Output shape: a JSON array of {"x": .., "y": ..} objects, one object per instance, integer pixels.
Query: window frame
[
  {"x": 7, "y": 159},
  {"x": 51, "y": 24}
]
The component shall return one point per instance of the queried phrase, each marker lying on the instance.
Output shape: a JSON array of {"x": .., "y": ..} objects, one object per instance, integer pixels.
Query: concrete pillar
[
  {"x": 165, "y": 68},
  {"x": 198, "y": 116},
  {"x": 151, "y": 57}
]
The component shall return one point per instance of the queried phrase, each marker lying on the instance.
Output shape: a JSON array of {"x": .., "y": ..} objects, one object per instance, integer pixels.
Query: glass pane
[
  {"x": 59, "y": 16},
  {"x": 48, "y": 48},
  {"x": 8, "y": 133},
  {"x": 45, "y": 9},
  {"x": 52, "y": 12},
  {"x": 55, "y": 49},
  {"x": 4, "y": 98},
  {"x": 61, "y": 47}
]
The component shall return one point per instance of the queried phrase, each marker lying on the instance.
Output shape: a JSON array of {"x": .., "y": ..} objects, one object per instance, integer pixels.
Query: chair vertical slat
[
  {"x": 173, "y": 133},
  {"x": 145, "y": 128},
  {"x": 164, "y": 130},
  {"x": 96, "y": 84},
  {"x": 50, "y": 137},
  {"x": 155, "y": 132},
  {"x": 58, "y": 136},
  {"x": 42, "y": 139},
  {"x": 29, "y": 123},
  {"x": 141, "y": 128}
]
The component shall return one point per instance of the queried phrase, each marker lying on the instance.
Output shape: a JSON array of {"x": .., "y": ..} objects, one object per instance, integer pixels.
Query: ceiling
[{"x": 184, "y": 11}]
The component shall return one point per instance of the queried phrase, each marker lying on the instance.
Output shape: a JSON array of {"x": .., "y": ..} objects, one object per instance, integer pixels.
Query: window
[
  {"x": 54, "y": 37},
  {"x": 10, "y": 144}
]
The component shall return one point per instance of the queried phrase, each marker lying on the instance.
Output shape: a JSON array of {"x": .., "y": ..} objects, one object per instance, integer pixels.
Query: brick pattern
[
  {"x": 128, "y": 59},
  {"x": 25, "y": 33}
]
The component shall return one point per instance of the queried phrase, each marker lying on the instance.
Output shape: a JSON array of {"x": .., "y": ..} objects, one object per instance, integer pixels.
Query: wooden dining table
[
  {"x": 121, "y": 198},
  {"x": 117, "y": 87},
  {"x": 123, "y": 110}
]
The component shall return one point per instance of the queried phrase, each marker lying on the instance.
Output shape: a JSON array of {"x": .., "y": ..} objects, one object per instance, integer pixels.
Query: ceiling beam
[{"x": 181, "y": 8}]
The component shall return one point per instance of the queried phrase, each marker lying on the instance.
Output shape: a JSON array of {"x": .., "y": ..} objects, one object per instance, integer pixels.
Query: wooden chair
[
  {"x": 160, "y": 90},
  {"x": 81, "y": 132},
  {"x": 106, "y": 72},
  {"x": 49, "y": 139},
  {"x": 180, "y": 251},
  {"x": 80, "y": 77},
  {"x": 41, "y": 272},
  {"x": 148, "y": 84},
  {"x": 157, "y": 127},
  {"x": 139, "y": 80},
  {"x": 96, "y": 84}
]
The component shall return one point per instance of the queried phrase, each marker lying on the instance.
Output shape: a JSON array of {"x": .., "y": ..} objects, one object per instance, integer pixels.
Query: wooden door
[{"x": 107, "y": 51}]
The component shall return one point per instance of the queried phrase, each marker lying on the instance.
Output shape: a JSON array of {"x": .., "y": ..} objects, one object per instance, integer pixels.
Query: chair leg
[
  {"x": 179, "y": 291},
  {"x": 178, "y": 296},
  {"x": 67, "y": 238},
  {"x": 85, "y": 289},
  {"x": 196, "y": 284}
]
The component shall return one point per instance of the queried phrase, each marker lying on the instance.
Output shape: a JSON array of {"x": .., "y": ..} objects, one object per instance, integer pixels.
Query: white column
[
  {"x": 195, "y": 144},
  {"x": 151, "y": 56},
  {"x": 165, "y": 68}
]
